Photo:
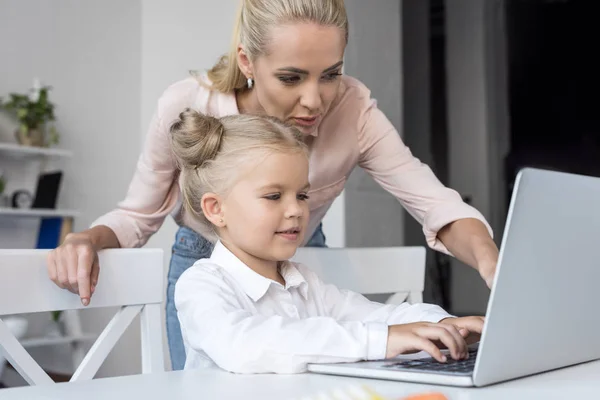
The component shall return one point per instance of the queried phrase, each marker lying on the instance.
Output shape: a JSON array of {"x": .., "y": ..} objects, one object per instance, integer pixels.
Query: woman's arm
[
  {"x": 152, "y": 195},
  {"x": 470, "y": 242},
  {"x": 390, "y": 162},
  {"x": 100, "y": 237}
]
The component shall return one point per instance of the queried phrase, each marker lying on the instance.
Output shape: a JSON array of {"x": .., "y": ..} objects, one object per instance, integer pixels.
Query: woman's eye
[
  {"x": 275, "y": 196},
  {"x": 289, "y": 80},
  {"x": 303, "y": 197},
  {"x": 332, "y": 76}
]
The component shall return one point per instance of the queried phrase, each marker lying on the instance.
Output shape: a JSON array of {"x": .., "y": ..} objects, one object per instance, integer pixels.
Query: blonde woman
[{"x": 285, "y": 61}]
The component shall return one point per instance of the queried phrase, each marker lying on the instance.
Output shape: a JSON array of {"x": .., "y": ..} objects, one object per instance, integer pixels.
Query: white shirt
[{"x": 243, "y": 322}]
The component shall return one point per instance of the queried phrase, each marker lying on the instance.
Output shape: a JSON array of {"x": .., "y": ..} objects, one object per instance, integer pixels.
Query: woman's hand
[
  {"x": 487, "y": 270},
  {"x": 470, "y": 242},
  {"x": 428, "y": 337},
  {"x": 74, "y": 264}
]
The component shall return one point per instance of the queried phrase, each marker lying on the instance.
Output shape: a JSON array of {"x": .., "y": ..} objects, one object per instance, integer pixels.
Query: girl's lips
[{"x": 289, "y": 236}]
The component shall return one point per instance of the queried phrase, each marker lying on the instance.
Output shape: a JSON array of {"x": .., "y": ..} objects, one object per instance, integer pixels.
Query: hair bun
[{"x": 196, "y": 138}]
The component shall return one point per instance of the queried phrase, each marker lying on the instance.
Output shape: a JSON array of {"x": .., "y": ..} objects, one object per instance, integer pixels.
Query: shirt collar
[
  {"x": 254, "y": 284},
  {"x": 293, "y": 278}
]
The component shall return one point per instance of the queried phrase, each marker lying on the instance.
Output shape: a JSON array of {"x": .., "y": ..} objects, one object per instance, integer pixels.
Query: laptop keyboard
[{"x": 451, "y": 367}]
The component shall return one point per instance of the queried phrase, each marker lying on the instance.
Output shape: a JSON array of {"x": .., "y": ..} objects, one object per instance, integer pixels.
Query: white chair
[
  {"x": 18, "y": 327},
  {"x": 129, "y": 278},
  {"x": 370, "y": 270}
]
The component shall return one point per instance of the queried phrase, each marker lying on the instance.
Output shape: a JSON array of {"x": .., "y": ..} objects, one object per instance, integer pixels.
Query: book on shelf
[{"x": 53, "y": 232}]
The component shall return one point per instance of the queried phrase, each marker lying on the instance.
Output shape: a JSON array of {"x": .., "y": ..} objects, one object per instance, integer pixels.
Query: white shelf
[
  {"x": 16, "y": 150},
  {"x": 52, "y": 341},
  {"x": 36, "y": 212}
]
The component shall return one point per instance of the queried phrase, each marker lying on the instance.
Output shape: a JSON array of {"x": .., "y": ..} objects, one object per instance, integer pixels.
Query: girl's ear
[{"x": 212, "y": 207}]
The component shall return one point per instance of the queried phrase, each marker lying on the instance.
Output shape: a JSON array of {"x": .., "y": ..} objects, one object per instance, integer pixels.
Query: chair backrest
[
  {"x": 129, "y": 278},
  {"x": 370, "y": 270}
]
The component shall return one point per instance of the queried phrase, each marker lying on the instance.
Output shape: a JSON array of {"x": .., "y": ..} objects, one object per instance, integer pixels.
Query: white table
[{"x": 578, "y": 382}]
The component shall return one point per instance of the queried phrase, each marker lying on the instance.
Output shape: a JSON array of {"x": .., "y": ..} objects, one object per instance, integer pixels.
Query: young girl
[{"x": 247, "y": 309}]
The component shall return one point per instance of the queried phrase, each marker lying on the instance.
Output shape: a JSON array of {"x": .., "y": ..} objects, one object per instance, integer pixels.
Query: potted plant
[
  {"x": 57, "y": 327},
  {"x": 34, "y": 111}
]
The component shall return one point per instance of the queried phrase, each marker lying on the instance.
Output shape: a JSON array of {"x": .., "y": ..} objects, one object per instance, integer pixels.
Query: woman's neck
[{"x": 247, "y": 103}]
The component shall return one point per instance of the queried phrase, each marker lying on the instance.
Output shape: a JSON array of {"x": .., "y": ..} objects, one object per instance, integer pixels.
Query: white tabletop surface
[{"x": 578, "y": 382}]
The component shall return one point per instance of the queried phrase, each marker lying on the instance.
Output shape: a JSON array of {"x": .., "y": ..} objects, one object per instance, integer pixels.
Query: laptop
[{"x": 542, "y": 313}]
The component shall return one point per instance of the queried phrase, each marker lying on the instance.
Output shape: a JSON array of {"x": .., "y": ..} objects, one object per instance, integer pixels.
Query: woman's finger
[
  {"x": 72, "y": 266},
  {"x": 84, "y": 272},
  {"x": 51, "y": 267},
  {"x": 95, "y": 273},
  {"x": 62, "y": 273}
]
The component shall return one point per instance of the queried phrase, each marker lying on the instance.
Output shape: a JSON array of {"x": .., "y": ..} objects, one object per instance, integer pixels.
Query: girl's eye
[
  {"x": 289, "y": 79},
  {"x": 303, "y": 197},
  {"x": 275, "y": 196}
]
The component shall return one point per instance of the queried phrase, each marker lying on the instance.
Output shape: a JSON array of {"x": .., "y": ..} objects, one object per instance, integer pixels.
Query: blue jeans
[{"x": 187, "y": 249}]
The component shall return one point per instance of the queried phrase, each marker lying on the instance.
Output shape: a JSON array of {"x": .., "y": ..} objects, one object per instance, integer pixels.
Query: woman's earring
[
  {"x": 250, "y": 83},
  {"x": 221, "y": 220}
]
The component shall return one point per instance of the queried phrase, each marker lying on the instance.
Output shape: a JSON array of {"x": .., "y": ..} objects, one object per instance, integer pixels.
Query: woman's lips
[{"x": 306, "y": 121}]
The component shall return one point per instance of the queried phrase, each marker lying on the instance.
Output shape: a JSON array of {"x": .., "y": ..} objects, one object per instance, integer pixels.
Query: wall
[
  {"x": 373, "y": 216},
  {"x": 477, "y": 125},
  {"x": 177, "y": 37},
  {"x": 420, "y": 133},
  {"x": 90, "y": 53}
]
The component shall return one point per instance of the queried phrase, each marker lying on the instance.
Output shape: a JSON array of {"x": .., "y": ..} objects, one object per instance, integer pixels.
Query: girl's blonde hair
[
  {"x": 211, "y": 153},
  {"x": 255, "y": 19}
]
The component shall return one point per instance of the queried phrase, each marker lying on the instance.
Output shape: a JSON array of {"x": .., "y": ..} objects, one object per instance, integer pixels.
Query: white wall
[
  {"x": 178, "y": 36},
  {"x": 90, "y": 53}
]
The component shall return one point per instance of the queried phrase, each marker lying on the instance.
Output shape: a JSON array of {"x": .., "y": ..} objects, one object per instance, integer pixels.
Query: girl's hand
[
  {"x": 469, "y": 327},
  {"x": 423, "y": 336}
]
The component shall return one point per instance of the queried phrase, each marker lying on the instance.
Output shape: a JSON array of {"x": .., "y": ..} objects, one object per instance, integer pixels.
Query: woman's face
[{"x": 299, "y": 76}]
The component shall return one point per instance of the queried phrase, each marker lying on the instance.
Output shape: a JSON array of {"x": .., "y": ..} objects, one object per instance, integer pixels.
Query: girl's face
[
  {"x": 299, "y": 76},
  {"x": 266, "y": 212}
]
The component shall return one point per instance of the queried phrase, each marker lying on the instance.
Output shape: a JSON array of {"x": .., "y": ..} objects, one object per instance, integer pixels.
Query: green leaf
[
  {"x": 56, "y": 315},
  {"x": 53, "y": 136},
  {"x": 30, "y": 114}
]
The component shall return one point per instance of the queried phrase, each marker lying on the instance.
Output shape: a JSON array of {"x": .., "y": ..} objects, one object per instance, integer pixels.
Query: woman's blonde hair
[
  {"x": 211, "y": 153},
  {"x": 255, "y": 19}
]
